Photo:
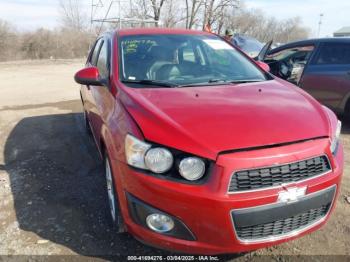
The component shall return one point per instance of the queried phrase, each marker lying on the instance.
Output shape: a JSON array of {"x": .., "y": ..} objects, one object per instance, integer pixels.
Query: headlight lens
[
  {"x": 159, "y": 160},
  {"x": 335, "y": 138},
  {"x": 135, "y": 151},
  {"x": 192, "y": 168}
]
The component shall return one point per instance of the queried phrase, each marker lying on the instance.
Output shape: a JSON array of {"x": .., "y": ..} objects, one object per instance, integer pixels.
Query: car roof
[
  {"x": 151, "y": 31},
  {"x": 311, "y": 42}
]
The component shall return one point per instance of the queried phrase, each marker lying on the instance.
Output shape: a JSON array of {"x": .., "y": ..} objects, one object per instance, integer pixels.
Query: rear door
[{"x": 327, "y": 77}]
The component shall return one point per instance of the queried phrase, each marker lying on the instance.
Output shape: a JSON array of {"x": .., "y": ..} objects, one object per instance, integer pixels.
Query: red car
[{"x": 205, "y": 151}]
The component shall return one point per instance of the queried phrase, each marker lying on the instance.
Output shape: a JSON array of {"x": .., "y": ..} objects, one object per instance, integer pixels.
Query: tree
[
  {"x": 157, "y": 7},
  {"x": 72, "y": 16},
  {"x": 215, "y": 12},
  {"x": 254, "y": 23},
  {"x": 8, "y": 41},
  {"x": 173, "y": 15},
  {"x": 192, "y": 10},
  {"x": 38, "y": 45}
]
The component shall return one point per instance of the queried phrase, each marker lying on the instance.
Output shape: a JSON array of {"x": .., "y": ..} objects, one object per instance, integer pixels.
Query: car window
[
  {"x": 296, "y": 54},
  {"x": 249, "y": 45},
  {"x": 188, "y": 54},
  {"x": 102, "y": 61},
  {"x": 93, "y": 57},
  {"x": 183, "y": 59},
  {"x": 200, "y": 55},
  {"x": 334, "y": 54}
]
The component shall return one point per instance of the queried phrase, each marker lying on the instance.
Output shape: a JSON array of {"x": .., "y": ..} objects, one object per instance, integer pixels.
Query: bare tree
[
  {"x": 216, "y": 10},
  {"x": 139, "y": 9},
  {"x": 173, "y": 12},
  {"x": 146, "y": 9},
  {"x": 9, "y": 41},
  {"x": 72, "y": 16},
  {"x": 255, "y": 23},
  {"x": 192, "y": 11},
  {"x": 157, "y": 7}
]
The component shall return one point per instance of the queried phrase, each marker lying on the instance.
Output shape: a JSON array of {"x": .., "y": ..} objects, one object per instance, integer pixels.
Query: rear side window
[
  {"x": 334, "y": 54},
  {"x": 102, "y": 61},
  {"x": 93, "y": 58}
]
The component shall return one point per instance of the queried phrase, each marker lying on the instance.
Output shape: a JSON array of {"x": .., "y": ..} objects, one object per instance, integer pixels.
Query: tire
[
  {"x": 347, "y": 111},
  {"x": 115, "y": 216}
]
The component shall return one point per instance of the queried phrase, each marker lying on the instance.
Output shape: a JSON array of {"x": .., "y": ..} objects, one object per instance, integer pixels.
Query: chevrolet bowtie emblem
[{"x": 291, "y": 194}]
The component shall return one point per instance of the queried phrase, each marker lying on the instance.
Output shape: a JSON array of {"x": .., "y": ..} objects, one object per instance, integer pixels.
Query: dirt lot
[{"x": 52, "y": 194}]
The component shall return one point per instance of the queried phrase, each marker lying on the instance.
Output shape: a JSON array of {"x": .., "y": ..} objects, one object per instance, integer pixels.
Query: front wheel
[{"x": 114, "y": 209}]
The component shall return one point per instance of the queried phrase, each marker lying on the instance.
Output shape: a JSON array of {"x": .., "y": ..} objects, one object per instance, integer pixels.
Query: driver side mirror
[
  {"x": 88, "y": 76},
  {"x": 263, "y": 66}
]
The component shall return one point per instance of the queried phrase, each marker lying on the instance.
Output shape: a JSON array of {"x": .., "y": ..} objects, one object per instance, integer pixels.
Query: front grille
[
  {"x": 282, "y": 226},
  {"x": 280, "y": 174}
]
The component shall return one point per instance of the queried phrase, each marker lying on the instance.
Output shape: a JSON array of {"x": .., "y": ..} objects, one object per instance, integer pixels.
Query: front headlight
[
  {"x": 192, "y": 168},
  {"x": 140, "y": 155},
  {"x": 335, "y": 138},
  {"x": 159, "y": 160},
  {"x": 135, "y": 151}
]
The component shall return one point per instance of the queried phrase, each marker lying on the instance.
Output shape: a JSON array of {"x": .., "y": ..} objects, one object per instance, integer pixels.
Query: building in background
[{"x": 342, "y": 32}]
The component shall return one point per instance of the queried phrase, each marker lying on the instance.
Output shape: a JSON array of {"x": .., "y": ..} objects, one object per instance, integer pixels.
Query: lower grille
[
  {"x": 279, "y": 220},
  {"x": 282, "y": 226}
]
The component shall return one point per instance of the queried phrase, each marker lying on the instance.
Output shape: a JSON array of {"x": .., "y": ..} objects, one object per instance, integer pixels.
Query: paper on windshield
[{"x": 217, "y": 44}]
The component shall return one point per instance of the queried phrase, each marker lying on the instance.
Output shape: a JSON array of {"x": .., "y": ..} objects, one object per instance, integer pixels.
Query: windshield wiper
[
  {"x": 222, "y": 82},
  {"x": 245, "y": 81},
  {"x": 216, "y": 80},
  {"x": 150, "y": 82},
  {"x": 209, "y": 83}
]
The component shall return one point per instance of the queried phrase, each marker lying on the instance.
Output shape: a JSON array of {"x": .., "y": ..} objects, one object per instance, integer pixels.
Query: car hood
[{"x": 208, "y": 120}]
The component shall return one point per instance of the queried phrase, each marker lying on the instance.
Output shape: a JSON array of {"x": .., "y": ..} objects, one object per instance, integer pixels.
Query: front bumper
[{"x": 207, "y": 210}]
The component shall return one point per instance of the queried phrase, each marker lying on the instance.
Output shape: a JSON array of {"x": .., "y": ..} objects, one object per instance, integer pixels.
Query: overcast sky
[{"x": 31, "y": 14}]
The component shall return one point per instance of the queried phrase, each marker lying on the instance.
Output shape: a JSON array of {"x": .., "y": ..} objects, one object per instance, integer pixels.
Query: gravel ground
[{"x": 52, "y": 194}]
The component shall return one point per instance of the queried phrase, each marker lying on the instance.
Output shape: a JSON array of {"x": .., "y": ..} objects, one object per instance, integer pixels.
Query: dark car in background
[{"x": 319, "y": 66}]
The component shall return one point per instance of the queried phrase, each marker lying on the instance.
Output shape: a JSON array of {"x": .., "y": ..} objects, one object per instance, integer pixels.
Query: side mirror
[
  {"x": 263, "y": 65},
  {"x": 88, "y": 76}
]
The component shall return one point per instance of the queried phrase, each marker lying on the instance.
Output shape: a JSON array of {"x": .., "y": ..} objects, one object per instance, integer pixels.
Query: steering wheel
[{"x": 285, "y": 69}]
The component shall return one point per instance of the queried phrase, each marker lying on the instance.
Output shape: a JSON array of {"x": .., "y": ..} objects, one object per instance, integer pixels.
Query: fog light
[{"x": 160, "y": 223}]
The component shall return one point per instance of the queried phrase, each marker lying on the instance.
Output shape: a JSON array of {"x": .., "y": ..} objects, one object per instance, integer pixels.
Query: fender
[{"x": 113, "y": 132}]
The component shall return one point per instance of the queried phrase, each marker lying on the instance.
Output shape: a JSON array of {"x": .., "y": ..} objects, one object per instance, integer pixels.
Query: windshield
[
  {"x": 183, "y": 60},
  {"x": 249, "y": 45}
]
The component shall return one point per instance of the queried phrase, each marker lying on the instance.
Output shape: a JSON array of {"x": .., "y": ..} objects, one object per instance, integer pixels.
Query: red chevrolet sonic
[{"x": 205, "y": 151}]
